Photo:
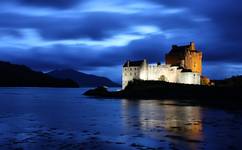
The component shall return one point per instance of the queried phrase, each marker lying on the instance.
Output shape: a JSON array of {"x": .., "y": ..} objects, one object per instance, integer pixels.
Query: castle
[{"x": 183, "y": 64}]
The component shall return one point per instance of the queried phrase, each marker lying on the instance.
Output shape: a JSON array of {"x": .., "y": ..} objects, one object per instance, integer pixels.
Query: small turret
[
  {"x": 145, "y": 62},
  {"x": 192, "y": 44}
]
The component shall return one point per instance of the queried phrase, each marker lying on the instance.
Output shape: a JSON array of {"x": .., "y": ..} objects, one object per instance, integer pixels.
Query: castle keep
[
  {"x": 185, "y": 56},
  {"x": 183, "y": 65}
]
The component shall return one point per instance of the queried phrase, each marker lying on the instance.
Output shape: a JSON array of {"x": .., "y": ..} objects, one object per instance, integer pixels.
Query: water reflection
[
  {"x": 165, "y": 120},
  {"x": 44, "y": 118}
]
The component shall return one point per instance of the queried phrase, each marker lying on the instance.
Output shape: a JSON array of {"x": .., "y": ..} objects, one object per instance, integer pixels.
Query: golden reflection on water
[{"x": 160, "y": 119}]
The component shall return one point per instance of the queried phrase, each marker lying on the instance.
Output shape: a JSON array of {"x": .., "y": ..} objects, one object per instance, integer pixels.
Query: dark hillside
[{"x": 12, "y": 75}]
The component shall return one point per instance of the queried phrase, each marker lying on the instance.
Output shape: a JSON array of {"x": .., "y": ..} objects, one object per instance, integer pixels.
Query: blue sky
[{"x": 98, "y": 36}]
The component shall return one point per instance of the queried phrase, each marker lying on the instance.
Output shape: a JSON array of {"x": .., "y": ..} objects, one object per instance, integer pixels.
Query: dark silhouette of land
[
  {"x": 235, "y": 81},
  {"x": 200, "y": 94},
  {"x": 83, "y": 79},
  {"x": 12, "y": 75}
]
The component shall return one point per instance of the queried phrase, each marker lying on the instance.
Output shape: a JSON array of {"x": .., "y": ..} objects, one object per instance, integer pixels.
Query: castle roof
[
  {"x": 182, "y": 49},
  {"x": 179, "y": 49},
  {"x": 133, "y": 63}
]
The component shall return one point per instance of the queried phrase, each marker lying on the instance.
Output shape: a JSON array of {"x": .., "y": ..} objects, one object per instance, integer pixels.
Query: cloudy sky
[{"x": 97, "y": 36}]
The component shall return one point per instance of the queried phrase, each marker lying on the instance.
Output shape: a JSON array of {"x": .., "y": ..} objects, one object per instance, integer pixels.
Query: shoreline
[{"x": 195, "y": 94}]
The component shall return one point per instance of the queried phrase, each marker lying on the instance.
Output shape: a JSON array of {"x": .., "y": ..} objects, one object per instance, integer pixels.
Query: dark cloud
[
  {"x": 96, "y": 25},
  {"x": 223, "y": 53},
  {"x": 224, "y": 29},
  {"x": 88, "y": 58},
  {"x": 85, "y": 57},
  {"x": 55, "y": 4},
  {"x": 214, "y": 26},
  {"x": 173, "y": 3},
  {"x": 89, "y": 25},
  {"x": 224, "y": 15},
  {"x": 60, "y": 4}
]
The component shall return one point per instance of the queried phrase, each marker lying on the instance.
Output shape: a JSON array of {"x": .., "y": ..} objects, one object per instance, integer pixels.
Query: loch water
[{"x": 62, "y": 118}]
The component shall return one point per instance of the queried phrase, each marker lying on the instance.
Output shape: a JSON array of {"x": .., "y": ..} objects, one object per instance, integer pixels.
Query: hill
[
  {"x": 235, "y": 81},
  {"x": 83, "y": 79},
  {"x": 12, "y": 75}
]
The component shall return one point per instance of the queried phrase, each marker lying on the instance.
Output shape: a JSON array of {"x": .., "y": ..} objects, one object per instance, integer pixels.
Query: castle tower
[{"x": 186, "y": 57}]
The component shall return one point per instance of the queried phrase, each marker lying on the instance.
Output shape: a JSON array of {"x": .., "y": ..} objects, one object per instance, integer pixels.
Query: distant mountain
[
  {"x": 235, "y": 81},
  {"x": 12, "y": 75},
  {"x": 84, "y": 80}
]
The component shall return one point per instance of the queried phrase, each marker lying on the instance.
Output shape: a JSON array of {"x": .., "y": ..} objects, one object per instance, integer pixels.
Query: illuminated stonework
[
  {"x": 186, "y": 56},
  {"x": 184, "y": 67}
]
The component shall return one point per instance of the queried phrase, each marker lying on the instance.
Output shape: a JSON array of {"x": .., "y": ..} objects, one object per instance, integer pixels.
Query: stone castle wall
[
  {"x": 193, "y": 61},
  {"x": 157, "y": 72}
]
